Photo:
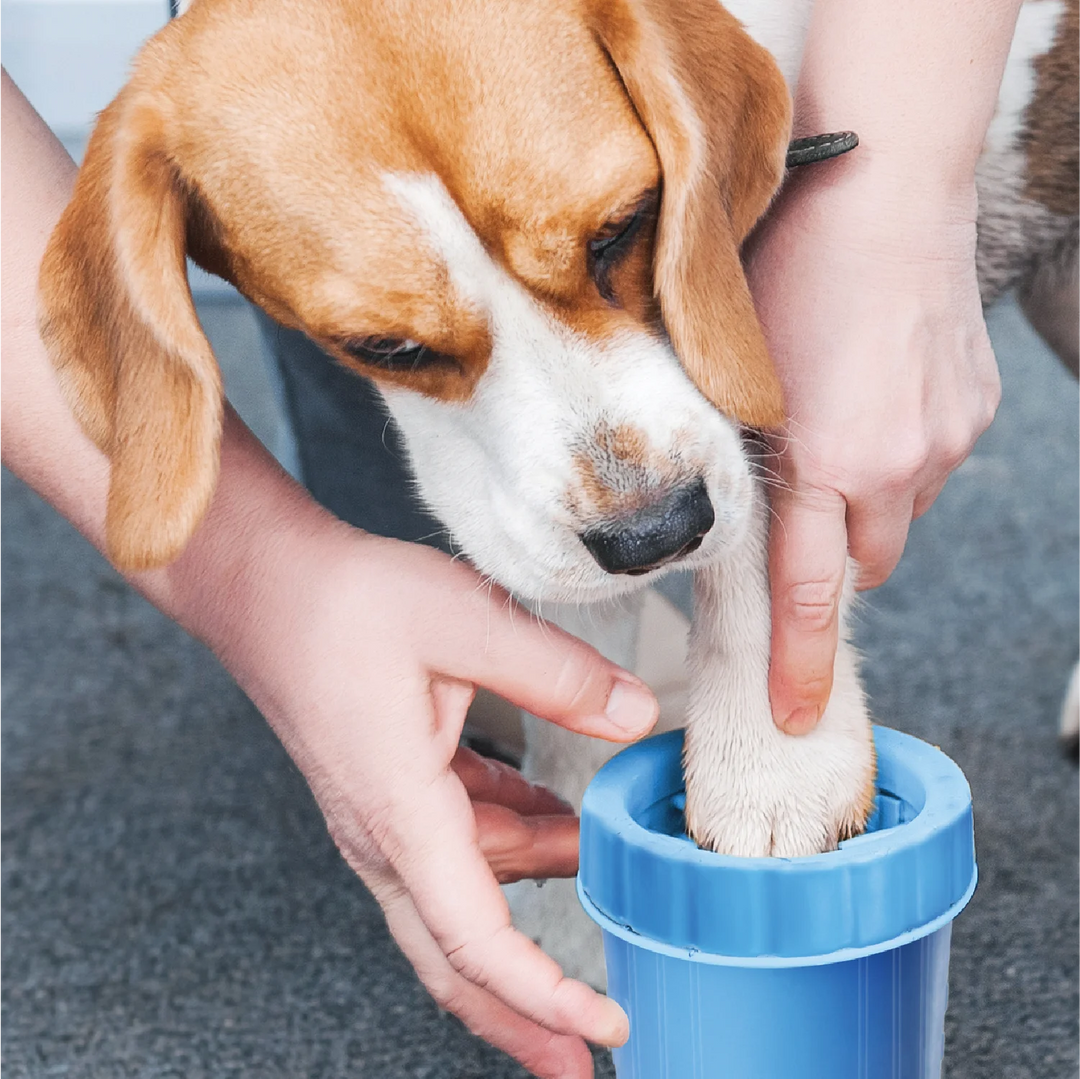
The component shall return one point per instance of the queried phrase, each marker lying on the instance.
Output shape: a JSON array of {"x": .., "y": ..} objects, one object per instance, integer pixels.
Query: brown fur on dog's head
[
  {"x": 254, "y": 138},
  {"x": 717, "y": 110}
]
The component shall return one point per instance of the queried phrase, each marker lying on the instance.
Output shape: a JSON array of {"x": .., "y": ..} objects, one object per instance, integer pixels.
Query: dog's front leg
[
  {"x": 751, "y": 789},
  {"x": 565, "y": 762}
]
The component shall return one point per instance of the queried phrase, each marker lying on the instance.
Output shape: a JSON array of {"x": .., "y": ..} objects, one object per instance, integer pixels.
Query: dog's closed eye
[
  {"x": 613, "y": 242},
  {"x": 395, "y": 354}
]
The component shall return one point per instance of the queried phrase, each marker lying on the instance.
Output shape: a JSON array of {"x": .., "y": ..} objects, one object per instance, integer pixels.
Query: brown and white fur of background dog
[{"x": 464, "y": 202}]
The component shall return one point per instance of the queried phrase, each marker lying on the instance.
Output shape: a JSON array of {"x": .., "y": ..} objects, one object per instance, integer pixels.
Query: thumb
[
  {"x": 544, "y": 670},
  {"x": 807, "y": 559}
]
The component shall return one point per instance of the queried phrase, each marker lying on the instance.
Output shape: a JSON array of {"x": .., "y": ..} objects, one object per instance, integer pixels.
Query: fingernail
[
  {"x": 631, "y": 706},
  {"x": 802, "y": 720}
]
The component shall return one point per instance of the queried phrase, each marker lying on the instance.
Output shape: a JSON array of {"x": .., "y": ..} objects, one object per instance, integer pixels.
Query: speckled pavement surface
[{"x": 172, "y": 905}]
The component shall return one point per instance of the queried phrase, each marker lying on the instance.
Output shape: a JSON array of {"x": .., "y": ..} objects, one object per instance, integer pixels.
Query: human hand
[
  {"x": 364, "y": 655},
  {"x": 867, "y": 292},
  {"x": 523, "y": 829}
]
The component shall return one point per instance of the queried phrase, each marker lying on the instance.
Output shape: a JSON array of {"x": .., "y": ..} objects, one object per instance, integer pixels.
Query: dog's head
[{"x": 521, "y": 220}]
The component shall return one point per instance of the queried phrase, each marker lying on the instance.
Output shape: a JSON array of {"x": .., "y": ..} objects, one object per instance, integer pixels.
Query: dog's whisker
[
  {"x": 776, "y": 483},
  {"x": 434, "y": 535}
]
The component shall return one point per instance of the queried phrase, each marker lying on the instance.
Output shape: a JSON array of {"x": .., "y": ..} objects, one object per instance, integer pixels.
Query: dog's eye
[
  {"x": 607, "y": 248},
  {"x": 392, "y": 354},
  {"x": 614, "y": 238}
]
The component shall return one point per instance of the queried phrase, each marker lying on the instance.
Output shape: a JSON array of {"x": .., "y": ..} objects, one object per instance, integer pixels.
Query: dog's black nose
[{"x": 666, "y": 530}]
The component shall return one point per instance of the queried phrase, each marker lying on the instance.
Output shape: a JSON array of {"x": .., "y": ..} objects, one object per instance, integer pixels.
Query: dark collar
[{"x": 815, "y": 148}]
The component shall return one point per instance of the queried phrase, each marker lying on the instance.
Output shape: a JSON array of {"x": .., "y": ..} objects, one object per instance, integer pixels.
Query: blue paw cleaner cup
[{"x": 833, "y": 966}]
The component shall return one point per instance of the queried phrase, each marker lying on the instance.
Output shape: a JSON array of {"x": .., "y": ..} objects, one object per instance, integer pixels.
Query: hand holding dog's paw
[
  {"x": 867, "y": 446},
  {"x": 751, "y": 789}
]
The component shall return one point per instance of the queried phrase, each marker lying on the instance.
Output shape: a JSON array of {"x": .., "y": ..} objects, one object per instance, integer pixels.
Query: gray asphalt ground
[{"x": 172, "y": 905}]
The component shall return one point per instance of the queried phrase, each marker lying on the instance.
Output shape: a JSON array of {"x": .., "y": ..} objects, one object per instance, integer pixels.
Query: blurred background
[{"x": 71, "y": 56}]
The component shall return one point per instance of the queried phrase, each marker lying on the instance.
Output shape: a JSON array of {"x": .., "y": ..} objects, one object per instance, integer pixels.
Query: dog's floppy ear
[
  {"x": 119, "y": 323},
  {"x": 718, "y": 112}
]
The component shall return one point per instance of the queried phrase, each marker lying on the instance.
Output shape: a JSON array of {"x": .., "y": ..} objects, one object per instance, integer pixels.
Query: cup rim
[{"x": 875, "y": 892}]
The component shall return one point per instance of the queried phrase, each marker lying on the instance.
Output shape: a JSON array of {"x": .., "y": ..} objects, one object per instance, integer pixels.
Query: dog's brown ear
[
  {"x": 119, "y": 323},
  {"x": 719, "y": 114}
]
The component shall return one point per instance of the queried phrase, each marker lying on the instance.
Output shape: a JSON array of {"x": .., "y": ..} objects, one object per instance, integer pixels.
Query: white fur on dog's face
[{"x": 501, "y": 469}]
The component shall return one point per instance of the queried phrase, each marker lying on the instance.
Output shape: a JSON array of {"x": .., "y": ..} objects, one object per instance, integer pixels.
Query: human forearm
[
  {"x": 917, "y": 80},
  {"x": 863, "y": 274},
  {"x": 38, "y": 430}
]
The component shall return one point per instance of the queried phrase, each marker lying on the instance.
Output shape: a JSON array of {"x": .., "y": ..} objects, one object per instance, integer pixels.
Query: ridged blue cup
[{"x": 833, "y": 966}]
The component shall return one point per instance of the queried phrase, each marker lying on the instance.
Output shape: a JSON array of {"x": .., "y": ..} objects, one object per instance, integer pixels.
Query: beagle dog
[{"x": 522, "y": 220}]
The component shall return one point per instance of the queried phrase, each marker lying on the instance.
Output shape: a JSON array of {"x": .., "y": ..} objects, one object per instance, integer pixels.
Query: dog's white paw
[{"x": 752, "y": 790}]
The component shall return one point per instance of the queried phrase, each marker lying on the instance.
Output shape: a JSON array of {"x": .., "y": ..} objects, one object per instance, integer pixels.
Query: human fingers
[
  {"x": 431, "y": 843},
  {"x": 927, "y": 497},
  {"x": 544, "y": 1053},
  {"x": 547, "y": 672},
  {"x": 524, "y": 830},
  {"x": 534, "y": 847},
  {"x": 877, "y": 531},
  {"x": 807, "y": 559},
  {"x": 487, "y": 780},
  {"x": 462, "y": 627}
]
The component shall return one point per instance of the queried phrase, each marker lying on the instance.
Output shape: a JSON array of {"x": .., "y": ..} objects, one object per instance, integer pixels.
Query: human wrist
[
  {"x": 918, "y": 82},
  {"x": 882, "y": 207},
  {"x": 909, "y": 167},
  {"x": 232, "y": 575}
]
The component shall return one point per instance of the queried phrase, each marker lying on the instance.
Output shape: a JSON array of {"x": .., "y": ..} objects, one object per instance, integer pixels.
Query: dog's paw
[{"x": 758, "y": 792}]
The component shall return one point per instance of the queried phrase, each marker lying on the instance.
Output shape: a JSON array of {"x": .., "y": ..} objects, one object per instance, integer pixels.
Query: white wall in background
[{"x": 71, "y": 56}]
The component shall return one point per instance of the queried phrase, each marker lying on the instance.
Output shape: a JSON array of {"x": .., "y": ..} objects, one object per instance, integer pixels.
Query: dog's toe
[{"x": 743, "y": 830}]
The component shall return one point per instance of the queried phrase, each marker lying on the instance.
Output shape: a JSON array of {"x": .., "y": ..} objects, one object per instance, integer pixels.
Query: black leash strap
[{"x": 816, "y": 148}]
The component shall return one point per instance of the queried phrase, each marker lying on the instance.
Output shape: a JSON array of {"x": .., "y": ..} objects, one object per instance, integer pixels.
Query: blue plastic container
[{"x": 833, "y": 966}]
